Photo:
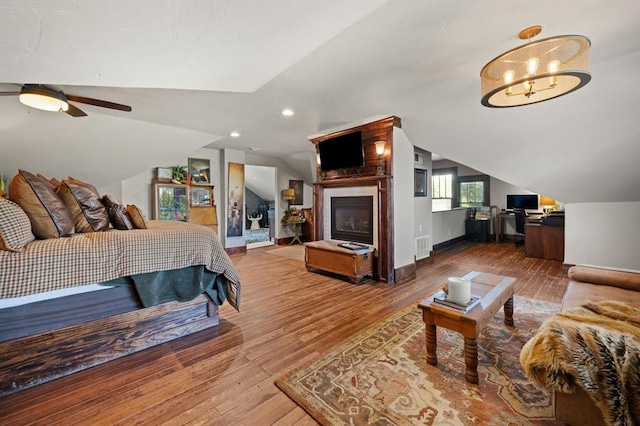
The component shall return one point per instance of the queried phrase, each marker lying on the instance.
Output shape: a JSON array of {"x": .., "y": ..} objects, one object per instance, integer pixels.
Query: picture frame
[
  {"x": 235, "y": 200},
  {"x": 200, "y": 171},
  {"x": 420, "y": 183},
  {"x": 298, "y": 192},
  {"x": 164, "y": 174}
]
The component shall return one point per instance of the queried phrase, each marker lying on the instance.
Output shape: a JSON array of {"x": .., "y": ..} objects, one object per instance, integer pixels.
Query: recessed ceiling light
[
  {"x": 287, "y": 112},
  {"x": 234, "y": 134}
]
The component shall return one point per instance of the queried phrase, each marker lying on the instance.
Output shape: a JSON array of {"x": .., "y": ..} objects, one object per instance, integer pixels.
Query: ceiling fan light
[{"x": 43, "y": 102}]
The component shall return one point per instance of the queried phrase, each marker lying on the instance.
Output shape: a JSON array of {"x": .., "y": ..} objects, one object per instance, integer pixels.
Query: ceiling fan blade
[
  {"x": 98, "y": 102},
  {"x": 75, "y": 111},
  {"x": 9, "y": 93}
]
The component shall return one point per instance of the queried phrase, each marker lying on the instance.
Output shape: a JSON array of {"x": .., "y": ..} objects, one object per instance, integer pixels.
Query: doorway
[{"x": 260, "y": 199}]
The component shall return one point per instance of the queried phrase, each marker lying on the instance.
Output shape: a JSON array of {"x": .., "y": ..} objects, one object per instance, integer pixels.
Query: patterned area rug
[
  {"x": 381, "y": 376},
  {"x": 295, "y": 252}
]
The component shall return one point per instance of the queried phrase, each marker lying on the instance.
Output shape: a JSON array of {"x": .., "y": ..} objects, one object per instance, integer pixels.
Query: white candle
[{"x": 459, "y": 290}]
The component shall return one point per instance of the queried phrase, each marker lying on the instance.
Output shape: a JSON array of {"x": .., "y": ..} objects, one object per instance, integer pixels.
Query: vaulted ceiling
[{"x": 194, "y": 71}]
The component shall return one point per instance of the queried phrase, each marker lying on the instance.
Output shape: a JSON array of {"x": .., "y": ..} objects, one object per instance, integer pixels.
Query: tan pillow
[
  {"x": 49, "y": 217},
  {"x": 136, "y": 216},
  {"x": 83, "y": 201},
  {"x": 15, "y": 227},
  {"x": 117, "y": 213}
]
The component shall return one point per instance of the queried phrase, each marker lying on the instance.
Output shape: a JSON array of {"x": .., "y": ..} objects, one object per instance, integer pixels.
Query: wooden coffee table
[{"x": 495, "y": 291}]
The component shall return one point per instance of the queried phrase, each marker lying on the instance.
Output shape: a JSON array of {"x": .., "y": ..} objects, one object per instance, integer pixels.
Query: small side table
[{"x": 295, "y": 226}]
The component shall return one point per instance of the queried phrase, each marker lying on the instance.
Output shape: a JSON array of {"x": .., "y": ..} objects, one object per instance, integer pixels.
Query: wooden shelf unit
[{"x": 198, "y": 207}]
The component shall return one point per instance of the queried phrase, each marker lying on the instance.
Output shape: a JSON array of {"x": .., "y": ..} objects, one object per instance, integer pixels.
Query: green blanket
[{"x": 181, "y": 285}]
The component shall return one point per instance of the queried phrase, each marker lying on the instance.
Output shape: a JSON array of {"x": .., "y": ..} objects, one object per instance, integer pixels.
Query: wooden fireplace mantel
[
  {"x": 383, "y": 266},
  {"x": 366, "y": 176}
]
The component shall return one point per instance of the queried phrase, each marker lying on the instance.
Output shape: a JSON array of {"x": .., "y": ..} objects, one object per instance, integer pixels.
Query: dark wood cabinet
[
  {"x": 476, "y": 230},
  {"x": 544, "y": 241}
]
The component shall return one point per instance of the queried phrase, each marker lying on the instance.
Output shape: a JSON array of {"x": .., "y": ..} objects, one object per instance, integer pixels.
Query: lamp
[
  {"x": 46, "y": 100},
  {"x": 380, "y": 146},
  {"x": 288, "y": 194},
  {"x": 537, "y": 71},
  {"x": 547, "y": 203}
]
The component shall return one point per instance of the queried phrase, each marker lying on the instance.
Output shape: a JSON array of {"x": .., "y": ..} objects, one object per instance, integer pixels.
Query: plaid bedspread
[{"x": 97, "y": 257}]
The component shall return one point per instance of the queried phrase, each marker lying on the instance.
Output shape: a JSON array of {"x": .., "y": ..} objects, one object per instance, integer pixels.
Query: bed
[{"x": 75, "y": 302}]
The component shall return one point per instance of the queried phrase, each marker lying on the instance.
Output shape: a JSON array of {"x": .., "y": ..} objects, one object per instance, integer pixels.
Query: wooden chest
[{"x": 328, "y": 256}]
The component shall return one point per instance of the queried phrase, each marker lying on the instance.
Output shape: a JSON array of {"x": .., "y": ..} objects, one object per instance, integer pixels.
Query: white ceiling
[{"x": 193, "y": 71}]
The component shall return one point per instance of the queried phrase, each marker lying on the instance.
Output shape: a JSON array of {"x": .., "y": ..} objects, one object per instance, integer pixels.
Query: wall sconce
[
  {"x": 287, "y": 195},
  {"x": 380, "y": 146},
  {"x": 319, "y": 168}
]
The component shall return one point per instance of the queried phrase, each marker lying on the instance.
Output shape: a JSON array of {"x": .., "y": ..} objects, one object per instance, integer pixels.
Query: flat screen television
[
  {"x": 525, "y": 201},
  {"x": 341, "y": 152}
]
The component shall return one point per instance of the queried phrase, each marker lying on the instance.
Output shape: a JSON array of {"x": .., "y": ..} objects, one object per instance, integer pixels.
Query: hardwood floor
[{"x": 225, "y": 375}]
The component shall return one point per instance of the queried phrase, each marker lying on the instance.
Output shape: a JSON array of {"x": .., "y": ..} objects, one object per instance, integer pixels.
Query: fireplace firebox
[{"x": 352, "y": 219}]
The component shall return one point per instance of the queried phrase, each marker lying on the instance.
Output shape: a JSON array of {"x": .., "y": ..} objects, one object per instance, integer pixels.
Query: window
[
  {"x": 443, "y": 189},
  {"x": 473, "y": 191}
]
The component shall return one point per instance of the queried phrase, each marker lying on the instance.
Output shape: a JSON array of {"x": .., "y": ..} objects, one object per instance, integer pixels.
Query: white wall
[
  {"x": 138, "y": 189},
  {"x": 448, "y": 224},
  {"x": 403, "y": 200},
  {"x": 423, "y": 223},
  {"x": 603, "y": 234}
]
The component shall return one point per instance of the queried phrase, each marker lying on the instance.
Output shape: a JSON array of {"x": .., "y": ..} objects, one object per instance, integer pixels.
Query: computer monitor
[{"x": 522, "y": 201}]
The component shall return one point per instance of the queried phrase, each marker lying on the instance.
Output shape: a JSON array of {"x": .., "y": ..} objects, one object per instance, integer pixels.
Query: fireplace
[{"x": 352, "y": 219}]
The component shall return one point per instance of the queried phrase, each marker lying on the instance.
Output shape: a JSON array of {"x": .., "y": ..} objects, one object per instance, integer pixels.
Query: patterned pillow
[
  {"x": 136, "y": 216},
  {"x": 83, "y": 201},
  {"x": 117, "y": 213},
  {"x": 15, "y": 227},
  {"x": 49, "y": 217}
]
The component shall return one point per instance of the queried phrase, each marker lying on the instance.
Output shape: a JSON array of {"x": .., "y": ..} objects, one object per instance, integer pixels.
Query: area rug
[
  {"x": 295, "y": 252},
  {"x": 381, "y": 377}
]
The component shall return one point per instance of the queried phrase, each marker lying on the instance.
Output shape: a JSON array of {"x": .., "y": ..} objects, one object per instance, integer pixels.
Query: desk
[
  {"x": 544, "y": 241},
  {"x": 500, "y": 226},
  {"x": 501, "y": 219}
]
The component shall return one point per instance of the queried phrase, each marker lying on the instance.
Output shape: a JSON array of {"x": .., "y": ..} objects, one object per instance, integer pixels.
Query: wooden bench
[{"x": 328, "y": 256}]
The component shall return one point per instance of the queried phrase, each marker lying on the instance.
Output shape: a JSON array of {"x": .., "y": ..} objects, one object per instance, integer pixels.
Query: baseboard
[
  {"x": 425, "y": 261},
  {"x": 236, "y": 250},
  {"x": 405, "y": 273},
  {"x": 448, "y": 244}
]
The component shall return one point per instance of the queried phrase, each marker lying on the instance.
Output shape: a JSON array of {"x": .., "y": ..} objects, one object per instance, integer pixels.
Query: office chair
[{"x": 521, "y": 219}]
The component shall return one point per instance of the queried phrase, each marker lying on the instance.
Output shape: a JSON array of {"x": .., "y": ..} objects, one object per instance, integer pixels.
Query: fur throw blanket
[{"x": 597, "y": 347}]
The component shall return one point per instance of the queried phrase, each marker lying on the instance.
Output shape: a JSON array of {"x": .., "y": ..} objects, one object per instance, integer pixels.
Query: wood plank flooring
[{"x": 224, "y": 375}]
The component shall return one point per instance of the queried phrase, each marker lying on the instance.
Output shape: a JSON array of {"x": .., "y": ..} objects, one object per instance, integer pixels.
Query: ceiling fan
[{"x": 47, "y": 99}]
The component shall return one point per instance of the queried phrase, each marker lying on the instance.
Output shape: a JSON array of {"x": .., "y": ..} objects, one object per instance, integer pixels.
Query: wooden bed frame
[{"x": 47, "y": 340}]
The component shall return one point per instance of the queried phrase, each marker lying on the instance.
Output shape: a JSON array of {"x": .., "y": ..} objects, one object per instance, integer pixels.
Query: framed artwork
[
  {"x": 235, "y": 200},
  {"x": 164, "y": 174},
  {"x": 298, "y": 192},
  {"x": 200, "y": 170},
  {"x": 420, "y": 183}
]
